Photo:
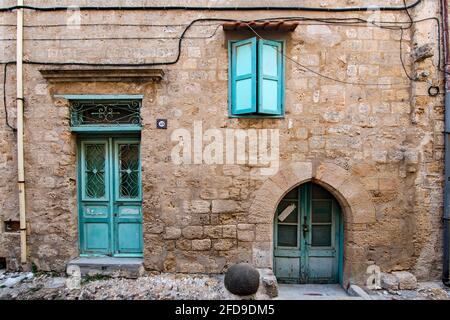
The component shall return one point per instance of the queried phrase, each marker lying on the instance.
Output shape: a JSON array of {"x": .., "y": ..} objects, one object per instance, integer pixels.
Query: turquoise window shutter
[
  {"x": 243, "y": 76},
  {"x": 270, "y": 77}
]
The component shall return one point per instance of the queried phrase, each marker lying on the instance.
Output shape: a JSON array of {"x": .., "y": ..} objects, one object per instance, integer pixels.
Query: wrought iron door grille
[
  {"x": 129, "y": 170},
  {"x": 105, "y": 112}
]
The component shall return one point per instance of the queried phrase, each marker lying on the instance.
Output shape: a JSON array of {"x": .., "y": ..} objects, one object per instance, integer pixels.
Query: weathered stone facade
[{"x": 377, "y": 149}]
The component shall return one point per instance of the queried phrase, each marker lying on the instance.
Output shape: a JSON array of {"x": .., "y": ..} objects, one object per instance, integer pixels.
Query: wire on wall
[
  {"x": 4, "y": 97},
  {"x": 215, "y": 8},
  {"x": 321, "y": 74},
  {"x": 391, "y": 25},
  {"x": 119, "y": 38}
]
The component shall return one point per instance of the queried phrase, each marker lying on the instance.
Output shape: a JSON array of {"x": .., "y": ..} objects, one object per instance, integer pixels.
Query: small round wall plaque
[{"x": 161, "y": 123}]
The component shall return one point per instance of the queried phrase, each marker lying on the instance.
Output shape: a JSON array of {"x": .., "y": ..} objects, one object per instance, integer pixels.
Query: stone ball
[{"x": 242, "y": 279}]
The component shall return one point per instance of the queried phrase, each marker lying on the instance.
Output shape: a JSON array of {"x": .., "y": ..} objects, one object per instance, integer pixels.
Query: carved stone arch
[{"x": 355, "y": 201}]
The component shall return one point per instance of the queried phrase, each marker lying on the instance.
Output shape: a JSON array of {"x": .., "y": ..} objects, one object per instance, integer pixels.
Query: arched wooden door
[{"x": 308, "y": 237}]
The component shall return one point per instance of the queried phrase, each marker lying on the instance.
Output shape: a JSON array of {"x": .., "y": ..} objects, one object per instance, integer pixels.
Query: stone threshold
[
  {"x": 106, "y": 266},
  {"x": 316, "y": 292}
]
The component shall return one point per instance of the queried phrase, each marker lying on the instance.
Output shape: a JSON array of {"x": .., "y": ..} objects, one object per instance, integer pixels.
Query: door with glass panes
[
  {"x": 308, "y": 237},
  {"x": 110, "y": 202}
]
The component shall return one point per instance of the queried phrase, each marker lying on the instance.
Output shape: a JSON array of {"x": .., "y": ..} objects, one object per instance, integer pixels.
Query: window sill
[
  {"x": 87, "y": 129},
  {"x": 256, "y": 116}
]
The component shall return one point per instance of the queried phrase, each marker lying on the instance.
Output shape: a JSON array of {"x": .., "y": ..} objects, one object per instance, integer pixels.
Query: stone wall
[{"x": 198, "y": 218}]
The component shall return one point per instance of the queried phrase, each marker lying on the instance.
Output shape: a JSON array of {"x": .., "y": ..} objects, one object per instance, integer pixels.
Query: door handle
[{"x": 305, "y": 226}]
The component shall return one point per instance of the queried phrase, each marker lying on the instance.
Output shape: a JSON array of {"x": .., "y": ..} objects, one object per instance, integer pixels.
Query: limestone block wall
[{"x": 199, "y": 218}]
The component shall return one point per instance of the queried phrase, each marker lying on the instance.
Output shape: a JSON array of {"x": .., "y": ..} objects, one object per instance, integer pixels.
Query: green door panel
[
  {"x": 129, "y": 211},
  {"x": 320, "y": 269},
  {"x": 287, "y": 269},
  {"x": 96, "y": 237},
  {"x": 129, "y": 237},
  {"x": 110, "y": 206},
  {"x": 288, "y": 253},
  {"x": 94, "y": 224},
  {"x": 308, "y": 240},
  {"x": 128, "y": 226},
  {"x": 95, "y": 211}
]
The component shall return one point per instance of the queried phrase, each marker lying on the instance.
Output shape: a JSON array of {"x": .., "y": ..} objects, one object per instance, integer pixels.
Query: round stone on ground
[{"x": 242, "y": 279}]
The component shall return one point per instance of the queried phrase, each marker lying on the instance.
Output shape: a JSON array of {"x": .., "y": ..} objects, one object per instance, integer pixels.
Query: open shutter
[
  {"x": 243, "y": 77},
  {"x": 270, "y": 77}
]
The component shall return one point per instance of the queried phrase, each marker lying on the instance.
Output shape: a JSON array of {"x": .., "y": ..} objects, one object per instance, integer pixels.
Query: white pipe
[{"x": 20, "y": 157}]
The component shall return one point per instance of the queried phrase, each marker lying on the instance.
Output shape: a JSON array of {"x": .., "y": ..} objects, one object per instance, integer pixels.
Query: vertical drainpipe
[
  {"x": 446, "y": 218},
  {"x": 20, "y": 157}
]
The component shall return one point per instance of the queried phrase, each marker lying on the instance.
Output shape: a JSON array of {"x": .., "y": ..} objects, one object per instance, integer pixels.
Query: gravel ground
[
  {"x": 153, "y": 287},
  {"x": 425, "y": 291},
  {"x": 166, "y": 286}
]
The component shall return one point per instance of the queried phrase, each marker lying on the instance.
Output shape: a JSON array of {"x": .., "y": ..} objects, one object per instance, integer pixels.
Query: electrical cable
[
  {"x": 115, "y": 38},
  {"x": 401, "y": 28},
  {"x": 336, "y": 21},
  {"x": 401, "y": 57},
  {"x": 184, "y": 24},
  {"x": 392, "y": 27},
  {"x": 321, "y": 74},
  {"x": 409, "y": 15},
  {"x": 401, "y": 43},
  {"x": 378, "y": 25},
  {"x": 105, "y": 24},
  {"x": 101, "y": 64},
  {"x": 4, "y": 97},
  {"x": 325, "y": 20},
  {"x": 145, "y": 64},
  {"x": 203, "y": 8}
]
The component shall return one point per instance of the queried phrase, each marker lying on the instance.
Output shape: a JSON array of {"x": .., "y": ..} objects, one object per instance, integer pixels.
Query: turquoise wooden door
[
  {"x": 308, "y": 237},
  {"x": 110, "y": 202}
]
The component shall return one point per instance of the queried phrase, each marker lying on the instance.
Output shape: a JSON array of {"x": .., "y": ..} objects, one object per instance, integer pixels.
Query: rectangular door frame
[{"x": 110, "y": 142}]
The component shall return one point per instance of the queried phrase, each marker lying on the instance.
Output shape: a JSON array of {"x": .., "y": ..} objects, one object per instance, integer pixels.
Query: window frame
[
  {"x": 256, "y": 115},
  {"x": 107, "y": 127}
]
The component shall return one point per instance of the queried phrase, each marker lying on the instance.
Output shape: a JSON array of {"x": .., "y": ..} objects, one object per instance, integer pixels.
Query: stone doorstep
[
  {"x": 109, "y": 266},
  {"x": 314, "y": 292}
]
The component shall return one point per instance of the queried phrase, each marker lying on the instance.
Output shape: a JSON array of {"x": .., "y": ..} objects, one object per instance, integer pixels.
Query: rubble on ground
[
  {"x": 423, "y": 291},
  {"x": 166, "y": 286},
  {"x": 170, "y": 286}
]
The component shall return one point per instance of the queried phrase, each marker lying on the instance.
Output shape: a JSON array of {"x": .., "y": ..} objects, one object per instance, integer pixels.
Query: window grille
[{"x": 105, "y": 113}]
